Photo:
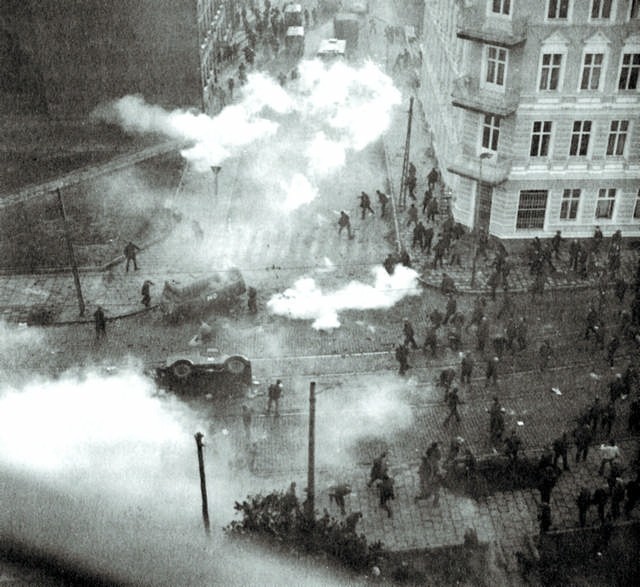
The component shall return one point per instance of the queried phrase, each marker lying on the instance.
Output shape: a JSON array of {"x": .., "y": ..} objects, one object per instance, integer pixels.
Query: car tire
[
  {"x": 235, "y": 365},
  {"x": 181, "y": 369}
]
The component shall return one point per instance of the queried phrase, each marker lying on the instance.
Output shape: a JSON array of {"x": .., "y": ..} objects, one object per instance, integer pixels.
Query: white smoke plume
[
  {"x": 101, "y": 472},
  {"x": 310, "y": 125},
  {"x": 306, "y": 300}
]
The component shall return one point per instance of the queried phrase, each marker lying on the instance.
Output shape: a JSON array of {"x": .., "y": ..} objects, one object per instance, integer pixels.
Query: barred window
[
  {"x": 569, "y": 206},
  {"x": 617, "y": 137},
  {"x": 532, "y": 208},
  {"x": 605, "y": 203}
]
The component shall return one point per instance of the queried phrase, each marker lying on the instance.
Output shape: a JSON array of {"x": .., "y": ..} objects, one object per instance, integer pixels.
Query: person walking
[
  {"x": 100, "y": 323},
  {"x": 432, "y": 178},
  {"x": 466, "y": 368},
  {"x": 491, "y": 372},
  {"x": 365, "y": 204},
  {"x": 427, "y": 239},
  {"x": 426, "y": 200},
  {"x": 386, "y": 493},
  {"x": 383, "y": 200},
  {"x": 402, "y": 356},
  {"x": 379, "y": 468},
  {"x": 452, "y": 307},
  {"x": 146, "y": 294},
  {"x": 482, "y": 334},
  {"x": 274, "y": 395},
  {"x": 432, "y": 209},
  {"x": 612, "y": 349},
  {"x": 600, "y": 499},
  {"x": 545, "y": 517},
  {"x": 583, "y": 502},
  {"x": 412, "y": 213},
  {"x": 246, "y": 421},
  {"x": 556, "y": 242},
  {"x": 337, "y": 493},
  {"x": 513, "y": 445},
  {"x": 409, "y": 336},
  {"x": 560, "y": 450},
  {"x": 431, "y": 341},
  {"x": 453, "y": 401},
  {"x": 345, "y": 222},
  {"x": 582, "y": 436},
  {"x": 130, "y": 251},
  {"x": 496, "y": 422}
]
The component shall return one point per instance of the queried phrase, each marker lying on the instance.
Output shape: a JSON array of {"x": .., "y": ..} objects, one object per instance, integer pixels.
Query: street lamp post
[
  {"x": 311, "y": 464},
  {"x": 476, "y": 218},
  {"x": 216, "y": 170}
]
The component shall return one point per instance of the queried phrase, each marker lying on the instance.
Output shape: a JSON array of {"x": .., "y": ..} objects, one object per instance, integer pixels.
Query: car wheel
[
  {"x": 235, "y": 365},
  {"x": 181, "y": 369}
]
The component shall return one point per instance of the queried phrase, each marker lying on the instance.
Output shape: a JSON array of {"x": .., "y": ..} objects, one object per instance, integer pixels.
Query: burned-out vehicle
[
  {"x": 205, "y": 371},
  {"x": 193, "y": 299}
]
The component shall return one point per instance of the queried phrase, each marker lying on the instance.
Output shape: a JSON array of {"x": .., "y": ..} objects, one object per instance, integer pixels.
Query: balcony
[
  {"x": 507, "y": 33},
  {"x": 468, "y": 94},
  {"x": 495, "y": 170}
]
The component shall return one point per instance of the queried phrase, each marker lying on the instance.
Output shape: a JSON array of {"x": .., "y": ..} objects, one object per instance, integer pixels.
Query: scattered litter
[
  {"x": 520, "y": 423},
  {"x": 594, "y": 376},
  {"x": 556, "y": 391},
  {"x": 225, "y": 432}
]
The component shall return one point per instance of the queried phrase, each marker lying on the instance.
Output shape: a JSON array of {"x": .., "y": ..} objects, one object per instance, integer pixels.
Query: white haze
[
  {"x": 100, "y": 472},
  {"x": 305, "y": 300},
  {"x": 302, "y": 132}
]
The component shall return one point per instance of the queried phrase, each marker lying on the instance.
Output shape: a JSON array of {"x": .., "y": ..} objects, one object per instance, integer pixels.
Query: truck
[
  {"x": 346, "y": 27},
  {"x": 331, "y": 49}
]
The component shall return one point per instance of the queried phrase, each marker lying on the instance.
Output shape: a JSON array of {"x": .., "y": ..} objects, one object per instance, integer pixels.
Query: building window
[
  {"x": 501, "y": 7},
  {"x": 635, "y": 9},
  {"x": 550, "y": 71},
  {"x": 601, "y": 9},
  {"x": 580, "y": 138},
  {"x": 636, "y": 210},
  {"x": 531, "y": 209},
  {"x": 569, "y": 207},
  {"x": 496, "y": 65},
  {"x": 617, "y": 137},
  {"x": 591, "y": 71},
  {"x": 629, "y": 71},
  {"x": 558, "y": 9},
  {"x": 605, "y": 203},
  {"x": 540, "y": 138},
  {"x": 490, "y": 132}
]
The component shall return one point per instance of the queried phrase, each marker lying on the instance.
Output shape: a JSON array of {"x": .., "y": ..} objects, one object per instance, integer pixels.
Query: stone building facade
[{"x": 535, "y": 112}]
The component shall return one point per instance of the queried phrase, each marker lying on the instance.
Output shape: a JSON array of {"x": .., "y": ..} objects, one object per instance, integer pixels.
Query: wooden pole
[
  {"x": 311, "y": 491},
  {"x": 203, "y": 483},
  {"x": 72, "y": 257}
]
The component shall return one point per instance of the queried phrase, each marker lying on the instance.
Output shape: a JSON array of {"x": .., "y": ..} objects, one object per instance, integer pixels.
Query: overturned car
[
  {"x": 193, "y": 299},
  {"x": 205, "y": 371}
]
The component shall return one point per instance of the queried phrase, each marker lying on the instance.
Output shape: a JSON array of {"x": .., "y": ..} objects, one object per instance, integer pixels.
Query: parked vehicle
[
  {"x": 293, "y": 15},
  {"x": 346, "y": 26},
  {"x": 331, "y": 49},
  {"x": 294, "y": 41}
]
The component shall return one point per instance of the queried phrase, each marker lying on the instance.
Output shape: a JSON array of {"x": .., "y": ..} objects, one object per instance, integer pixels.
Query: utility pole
[
  {"x": 405, "y": 162},
  {"x": 311, "y": 491},
  {"x": 72, "y": 257},
  {"x": 216, "y": 170},
  {"x": 476, "y": 219},
  {"x": 203, "y": 483}
]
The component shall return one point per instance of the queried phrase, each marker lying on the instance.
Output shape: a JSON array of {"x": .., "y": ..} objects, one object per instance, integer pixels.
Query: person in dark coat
[
  {"x": 386, "y": 493},
  {"x": 345, "y": 222},
  {"x": 337, "y": 493},
  {"x": 402, "y": 356},
  {"x": 491, "y": 373},
  {"x": 379, "y": 468},
  {"x": 452, "y": 307},
  {"x": 617, "y": 497},
  {"x": 252, "y": 300},
  {"x": 612, "y": 349},
  {"x": 100, "y": 323},
  {"x": 633, "y": 495},
  {"x": 453, "y": 401},
  {"x": 412, "y": 213},
  {"x": 545, "y": 517},
  {"x": 432, "y": 209},
  {"x": 548, "y": 480},
  {"x": 556, "y": 241},
  {"x": 600, "y": 499},
  {"x": 582, "y": 436},
  {"x": 427, "y": 239},
  {"x": 146, "y": 294},
  {"x": 431, "y": 341},
  {"x": 560, "y": 450},
  {"x": 496, "y": 422},
  {"x": 365, "y": 204},
  {"x": 130, "y": 251},
  {"x": 466, "y": 368},
  {"x": 584, "y": 503},
  {"x": 409, "y": 335},
  {"x": 432, "y": 178},
  {"x": 596, "y": 240},
  {"x": 274, "y": 395},
  {"x": 383, "y": 200}
]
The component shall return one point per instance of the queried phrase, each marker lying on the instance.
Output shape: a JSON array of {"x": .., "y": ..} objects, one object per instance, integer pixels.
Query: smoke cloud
[
  {"x": 306, "y": 300},
  {"x": 299, "y": 134},
  {"x": 101, "y": 473}
]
